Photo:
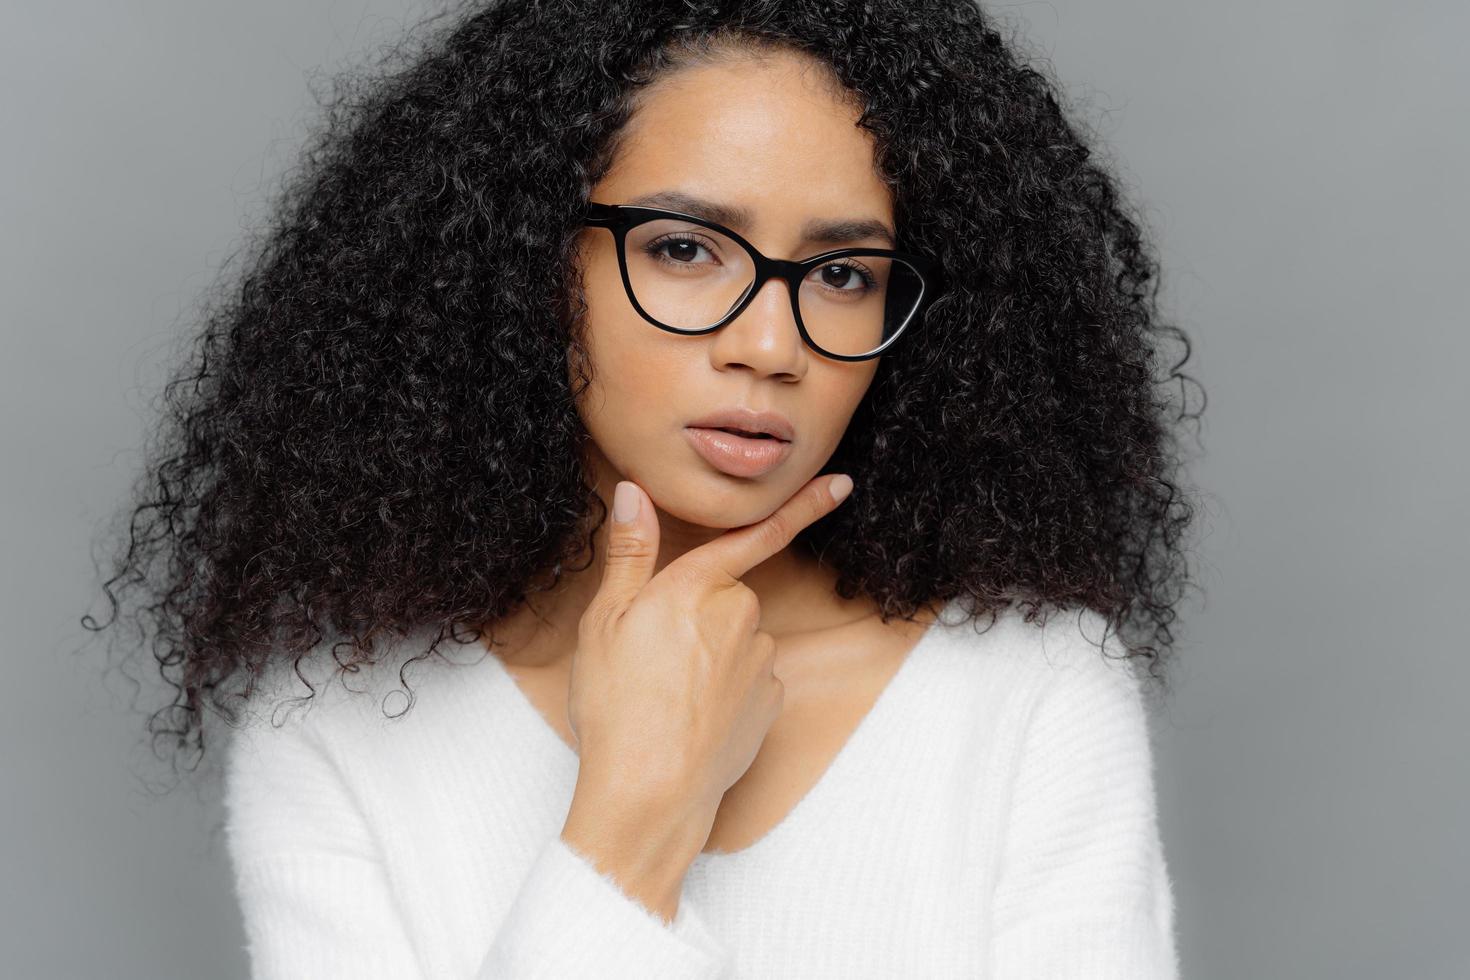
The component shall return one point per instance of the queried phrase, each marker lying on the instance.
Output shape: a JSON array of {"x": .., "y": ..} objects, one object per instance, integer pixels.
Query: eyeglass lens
[{"x": 689, "y": 277}]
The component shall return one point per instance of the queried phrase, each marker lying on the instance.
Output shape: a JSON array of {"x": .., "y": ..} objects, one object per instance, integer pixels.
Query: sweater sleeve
[
  {"x": 317, "y": 902},
  {"x": 1083, "y": 888}
]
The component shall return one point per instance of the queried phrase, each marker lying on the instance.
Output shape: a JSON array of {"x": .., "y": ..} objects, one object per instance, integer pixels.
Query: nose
[{"x": 764, "y": 337}]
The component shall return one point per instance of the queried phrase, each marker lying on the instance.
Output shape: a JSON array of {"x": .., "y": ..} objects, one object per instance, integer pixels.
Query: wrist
[{"x": 637, "y": 834}]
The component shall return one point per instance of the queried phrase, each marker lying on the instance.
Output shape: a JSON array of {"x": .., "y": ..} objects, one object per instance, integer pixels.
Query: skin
[{"x": 772, "y": 135}]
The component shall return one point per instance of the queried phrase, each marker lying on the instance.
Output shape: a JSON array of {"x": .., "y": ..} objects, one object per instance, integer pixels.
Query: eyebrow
[{"x": 838, "y": 232}]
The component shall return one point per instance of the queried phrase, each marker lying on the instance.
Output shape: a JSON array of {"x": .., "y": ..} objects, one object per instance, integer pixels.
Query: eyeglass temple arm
[{"x": 599, "y": 214}]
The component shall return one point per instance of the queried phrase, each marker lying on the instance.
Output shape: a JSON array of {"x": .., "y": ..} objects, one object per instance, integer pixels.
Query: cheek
[
  {"x": 838, "y": 397},
  {"x": 635, "y": 374}
]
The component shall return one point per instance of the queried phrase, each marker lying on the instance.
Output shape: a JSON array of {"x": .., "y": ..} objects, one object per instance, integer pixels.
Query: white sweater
[{"x": 992, "y": 816}]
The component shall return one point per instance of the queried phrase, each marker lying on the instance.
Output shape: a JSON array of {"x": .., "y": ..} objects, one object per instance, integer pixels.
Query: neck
[{"x": 796, "y": 593}]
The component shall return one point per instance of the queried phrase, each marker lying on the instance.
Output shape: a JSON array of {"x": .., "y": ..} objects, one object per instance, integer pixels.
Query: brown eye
[
  {"x": 846, "y": 277},
  {"x": 674, "y": 250}
]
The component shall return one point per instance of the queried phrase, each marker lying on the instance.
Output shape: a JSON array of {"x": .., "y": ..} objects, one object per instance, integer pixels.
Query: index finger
[{"x": 740, "y": 549}]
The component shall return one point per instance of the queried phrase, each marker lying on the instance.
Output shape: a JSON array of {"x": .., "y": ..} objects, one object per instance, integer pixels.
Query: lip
[
  {"x": 737, "y": 455},
  {"x": 773, "y": 423}
]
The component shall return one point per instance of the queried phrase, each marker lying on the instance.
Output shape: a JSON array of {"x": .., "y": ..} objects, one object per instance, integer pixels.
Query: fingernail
[
  {"x": 625, "y": 502},
  {"x": 840, "y": 487}
]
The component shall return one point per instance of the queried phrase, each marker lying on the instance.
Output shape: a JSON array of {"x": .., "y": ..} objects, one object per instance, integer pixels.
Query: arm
[
  {"x": 612, "y": 891},
  {"x": 317, "y": 903},
  {"x": 1083, "y": 889}
]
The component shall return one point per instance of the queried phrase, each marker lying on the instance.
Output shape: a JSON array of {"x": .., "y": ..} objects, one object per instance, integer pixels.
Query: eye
[
  {"x": 676, "y": 249},
  {"x": 847, "y": 276}
]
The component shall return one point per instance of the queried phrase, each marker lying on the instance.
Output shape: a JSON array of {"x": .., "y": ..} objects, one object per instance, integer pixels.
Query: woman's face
[{"x": 766, "y": 138}]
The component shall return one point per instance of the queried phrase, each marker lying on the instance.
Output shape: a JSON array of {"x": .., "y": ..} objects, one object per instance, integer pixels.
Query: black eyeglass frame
[{"x": 620, "y": 218}]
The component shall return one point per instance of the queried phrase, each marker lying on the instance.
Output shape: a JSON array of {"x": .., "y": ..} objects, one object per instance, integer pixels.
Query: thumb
[{"x": 632, "y": 547}]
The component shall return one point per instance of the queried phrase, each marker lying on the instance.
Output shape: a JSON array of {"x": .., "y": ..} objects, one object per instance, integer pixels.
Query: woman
[{"x": 556, "y": 267}]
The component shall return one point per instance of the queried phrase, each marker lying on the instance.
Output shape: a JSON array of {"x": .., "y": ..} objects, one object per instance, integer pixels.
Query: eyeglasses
[{"x": 687, "y": 275}]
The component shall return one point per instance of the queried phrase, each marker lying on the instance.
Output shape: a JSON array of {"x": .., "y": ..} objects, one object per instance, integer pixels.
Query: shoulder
[
  {"x": 1064, "y": 661},
  {"x": 1055, "y": 643},
  {"x": 317, "y": 729},
  {"x": 1080, "y": 719},
  {"x": 333, "y": 688}
]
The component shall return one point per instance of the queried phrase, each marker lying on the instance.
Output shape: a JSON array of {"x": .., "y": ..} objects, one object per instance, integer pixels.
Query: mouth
[
  {"x": 737, "y": 452},
  {"x": 742, "y": 433},
  {"x": 746, "y": 423}
]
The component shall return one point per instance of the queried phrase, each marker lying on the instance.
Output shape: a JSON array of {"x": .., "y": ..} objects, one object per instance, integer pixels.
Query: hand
[{"x": 672, "y": 685}]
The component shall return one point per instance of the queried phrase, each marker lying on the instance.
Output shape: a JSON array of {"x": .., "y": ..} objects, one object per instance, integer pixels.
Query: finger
[
  {"x": 739, "y": 550},
  {"x": 632, "y": 548}
]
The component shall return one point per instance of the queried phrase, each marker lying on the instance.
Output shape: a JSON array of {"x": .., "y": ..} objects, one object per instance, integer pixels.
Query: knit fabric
[{"x": 992, "y": 816}]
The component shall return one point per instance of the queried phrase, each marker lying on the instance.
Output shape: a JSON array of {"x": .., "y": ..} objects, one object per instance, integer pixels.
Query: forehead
[{"x": 772, "y": 133}]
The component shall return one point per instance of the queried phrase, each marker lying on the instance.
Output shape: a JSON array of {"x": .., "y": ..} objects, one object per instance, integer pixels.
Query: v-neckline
[{"x": 820, "y": 792}]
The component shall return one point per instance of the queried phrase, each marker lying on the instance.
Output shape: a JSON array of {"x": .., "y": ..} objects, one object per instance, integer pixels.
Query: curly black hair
[{"x": 375, "y": 429}]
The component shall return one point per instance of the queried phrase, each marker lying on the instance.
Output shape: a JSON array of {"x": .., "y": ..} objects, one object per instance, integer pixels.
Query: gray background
[{"x": 1302, "y": 166}]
